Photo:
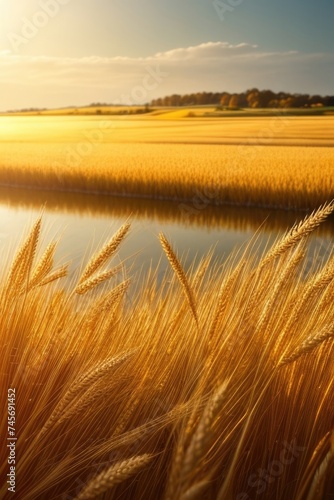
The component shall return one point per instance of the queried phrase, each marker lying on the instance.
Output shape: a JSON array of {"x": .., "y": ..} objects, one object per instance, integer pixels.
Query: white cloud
[{"x": 50, "y": 81}]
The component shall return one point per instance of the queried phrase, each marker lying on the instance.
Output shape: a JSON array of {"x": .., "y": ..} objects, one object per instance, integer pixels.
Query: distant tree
[
  {"x": 234, "y": 101},
  {"x": 274, "y": 103},
  {"x": 329, "y": 100},
  {"x": 253, "y": 98},
  {"x": 243, "y": 103},
  {"x": 265, "y": 97},
  {"x": 314, "y": 99},
  {"x": 225, "y": 100}
]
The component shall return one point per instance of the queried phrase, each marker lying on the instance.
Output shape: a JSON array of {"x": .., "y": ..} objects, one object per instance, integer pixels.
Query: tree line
[{"x": 252, "y": 98}]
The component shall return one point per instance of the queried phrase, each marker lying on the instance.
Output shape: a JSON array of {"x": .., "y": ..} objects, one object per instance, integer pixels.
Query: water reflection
[
  {"x": 184, "y": 214},
  {"x": 85, "y": 221}
]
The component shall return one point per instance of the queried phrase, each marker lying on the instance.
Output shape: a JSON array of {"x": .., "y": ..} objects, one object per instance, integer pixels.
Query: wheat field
[
  {"x": 214, "y": 384},
  {"x": 232, "y": 161}
]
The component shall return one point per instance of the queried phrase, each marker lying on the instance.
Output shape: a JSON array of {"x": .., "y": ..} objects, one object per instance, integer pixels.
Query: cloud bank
[{"x": 213, "y": 66}]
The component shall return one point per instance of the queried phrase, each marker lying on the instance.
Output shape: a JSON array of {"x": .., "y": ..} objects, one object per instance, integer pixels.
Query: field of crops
[
  {"x": 239, "y": 161},
  {"x": 216, "y": 384}
]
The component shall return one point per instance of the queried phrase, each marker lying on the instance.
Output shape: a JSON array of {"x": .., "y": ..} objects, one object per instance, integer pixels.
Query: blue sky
[{"x": 77, "y": 51}]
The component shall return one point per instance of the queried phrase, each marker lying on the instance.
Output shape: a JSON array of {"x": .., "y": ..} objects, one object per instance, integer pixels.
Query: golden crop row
[{"x": 289, "y": 177}]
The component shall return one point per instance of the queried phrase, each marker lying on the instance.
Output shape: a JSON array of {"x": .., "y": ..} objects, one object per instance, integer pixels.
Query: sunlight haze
[{"x": 65, "y": 52}]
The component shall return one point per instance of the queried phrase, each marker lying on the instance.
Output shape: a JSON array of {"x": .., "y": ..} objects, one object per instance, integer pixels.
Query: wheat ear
[
  {"x": 80, "y": 403},
  {"x": 113, "y": 476},
  {"x": 23, "y": 261},
  {"x": 43, "y": 267},
  {"x": 201, "y": 270},
  {"x": 83, "y": 382},
  {"x": 202, "y": 437},
  {"x": 286, "y": 272},
  {"x": 56, "y": 275},
  {"x": 174, "y": 262},
  {"x": 196, "y": 492},
  {"x": 105, "y": 253},
  {"x": 299, "y": 231},
  {"x": 317, "y": 283},
  {"x": 310, "y": 344},
  {"x": 91, "y": 283},
  {"x": 108, "y": 302}
]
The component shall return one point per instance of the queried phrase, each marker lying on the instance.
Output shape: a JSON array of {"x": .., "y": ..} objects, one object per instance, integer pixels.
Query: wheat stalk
[
  {"x": 113, "y": 476},
  {"x": 222, "y": 300},
  {"x": 174, "y": 262},
  {"x": 311, "y": 468},
  {"x": 105, "y": 253}
]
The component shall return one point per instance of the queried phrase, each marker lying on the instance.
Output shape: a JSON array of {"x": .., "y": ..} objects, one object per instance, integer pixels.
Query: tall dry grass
[{"x": 217, "y": 384}]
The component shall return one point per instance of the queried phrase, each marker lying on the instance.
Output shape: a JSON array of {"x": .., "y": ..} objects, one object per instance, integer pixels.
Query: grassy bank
[{"x": 217, "y": 384}]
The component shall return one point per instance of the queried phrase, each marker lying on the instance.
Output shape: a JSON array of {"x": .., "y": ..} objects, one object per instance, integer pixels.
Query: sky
[{"x": 57, "y": 53}]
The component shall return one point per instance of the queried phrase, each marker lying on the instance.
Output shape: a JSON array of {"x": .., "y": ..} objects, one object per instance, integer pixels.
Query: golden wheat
[
  {"x": 105, "y": 253},
  {"x": 20, "y": 269},
  {"x": 114, "y": 475},
  {"x": 196, "y": 492},
  {"x": 44, "y": 266},
  {"x": 174, "y": 262},
  {"x": 301, "y": 230},
  {"x": 91, "y": 283},
  {"x": 310, "y": 344},
  {"x": 82, "y": 383},
  {"x": 99, "y": 380},
  {"x": 56, "y": 275},
  {"x": 178, "y": 164},
  {"x": 317, "y": 486}
]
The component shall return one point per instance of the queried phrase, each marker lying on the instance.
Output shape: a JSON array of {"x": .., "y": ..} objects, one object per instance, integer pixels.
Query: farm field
[
  {"x": 270, "y": 162},
  {"x": 204, "y": 111}
]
